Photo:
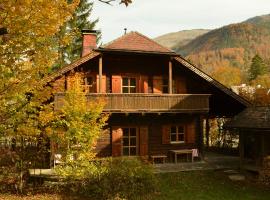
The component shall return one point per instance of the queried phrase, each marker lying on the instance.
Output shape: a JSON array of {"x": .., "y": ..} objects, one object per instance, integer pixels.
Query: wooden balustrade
[{"x": 147, "y": 102}]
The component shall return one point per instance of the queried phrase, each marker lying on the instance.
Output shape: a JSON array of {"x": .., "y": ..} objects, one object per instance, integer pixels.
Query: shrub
[{"x": 115, "y": 178}]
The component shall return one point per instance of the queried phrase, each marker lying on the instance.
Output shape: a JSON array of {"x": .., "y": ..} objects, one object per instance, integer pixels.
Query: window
[
  {"x": 150, "y": 85},
  {"x": 129, "y": 141},
  {"x": 177, "y": 134},
  {"x": 129, "y": 85},
  {"x": 88, "y": 84},
  {"x": 165, "y": 85}
]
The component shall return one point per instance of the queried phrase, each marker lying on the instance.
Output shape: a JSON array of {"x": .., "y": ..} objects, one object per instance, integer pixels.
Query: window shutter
[
  {"x": 143, "y": 141},
  {"x": 143, "y": 84},
  {"x": 157, "y": 84},
  {"x": 190, "y": 132},
  {"x": 117, "y": 135},
  {"x": 103, "y": 86},
  {"x": 166, "y": 138},
  {"x": 180, "y": 85},
  {"x": 116, "y": 84}
]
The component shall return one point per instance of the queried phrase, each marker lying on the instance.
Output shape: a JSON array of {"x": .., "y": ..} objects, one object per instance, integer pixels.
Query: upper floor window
[
  {"x": 88, "y": 82},
  {"x": 128, "y": 85},
  {"x": 177, "y": 134},
  {"x": 165, "y": 85}
]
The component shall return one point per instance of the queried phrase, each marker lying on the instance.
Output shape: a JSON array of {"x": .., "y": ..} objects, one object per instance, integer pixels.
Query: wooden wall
[
  {"x": 148, "y": 71},
  {"x": 154, "y": 124}
]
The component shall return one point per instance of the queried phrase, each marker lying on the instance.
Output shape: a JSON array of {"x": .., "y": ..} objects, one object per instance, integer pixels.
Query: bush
[{"x": 115, "y": 178}]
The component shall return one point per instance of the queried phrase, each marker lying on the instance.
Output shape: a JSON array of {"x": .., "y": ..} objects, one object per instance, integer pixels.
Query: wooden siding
[
  {"x": 147, "y": 102},
  {"x": 150, "y": 133},
  {"x": 103, "y": 146}
]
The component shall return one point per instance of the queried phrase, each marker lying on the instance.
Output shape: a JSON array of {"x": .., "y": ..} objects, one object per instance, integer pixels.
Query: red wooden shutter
[
  {"x": 143, "y": 141},
  {"x": 157, "y": 84},
  {"x": 117, "y": 134},
  {"x": 190, "y": 132},
  {"x": 180, "y": 85},
  {"x": 166, "y": 138},
  {"x": 116, "y": 84},
  {"x": 143, "y": 84},
  {"x": 103, "y": 86}
]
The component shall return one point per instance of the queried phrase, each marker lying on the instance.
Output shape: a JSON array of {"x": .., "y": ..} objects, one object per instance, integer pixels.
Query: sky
[{"x": 157, "y": 17}]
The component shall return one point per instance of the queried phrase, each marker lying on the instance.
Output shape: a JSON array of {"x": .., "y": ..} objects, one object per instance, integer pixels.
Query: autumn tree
[
  {"x": 257, "y": 68},
  {"x": 228, "y": 76},
  {"x": 77, "y": 129},
  {"x": 26, "y": 52}
]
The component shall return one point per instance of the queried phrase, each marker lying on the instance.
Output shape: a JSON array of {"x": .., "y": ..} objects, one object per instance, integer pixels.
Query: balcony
[{"x": 152, "y": 103}]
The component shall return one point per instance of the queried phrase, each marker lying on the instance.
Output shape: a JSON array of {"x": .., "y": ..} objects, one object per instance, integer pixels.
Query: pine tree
[
  {"x": 70, "y": 50},
  {"x": 257, "y": 68}
]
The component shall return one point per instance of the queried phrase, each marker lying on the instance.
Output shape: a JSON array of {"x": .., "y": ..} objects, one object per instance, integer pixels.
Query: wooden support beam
[
  {"x": 241, "y": 148},
  {"x": 207, "y": 131},
  {"x": 100, "y": 75},
  {"x": 170, "y": 77}
]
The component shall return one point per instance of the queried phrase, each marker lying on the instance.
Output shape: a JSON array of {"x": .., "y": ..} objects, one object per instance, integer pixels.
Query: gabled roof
[
  {"x": 251, "y": 118},
  {"x": 72, "y": 66},
  {"x": 136, "y": 42}
]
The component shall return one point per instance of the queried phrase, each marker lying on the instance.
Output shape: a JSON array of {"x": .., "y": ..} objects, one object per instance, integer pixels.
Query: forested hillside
[
  {"x": 180, "y": 38},
  {"x": 230, "y": 46}
]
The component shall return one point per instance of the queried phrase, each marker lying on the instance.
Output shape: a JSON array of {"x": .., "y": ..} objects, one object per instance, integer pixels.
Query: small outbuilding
[{"x": 253, "y": 126}]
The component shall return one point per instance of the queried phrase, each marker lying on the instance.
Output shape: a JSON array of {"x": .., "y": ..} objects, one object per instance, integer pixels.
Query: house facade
[{"x": 156, "y": 99}]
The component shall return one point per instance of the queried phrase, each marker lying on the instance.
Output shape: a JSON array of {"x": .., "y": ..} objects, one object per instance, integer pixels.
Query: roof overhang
[
  {"x": 103, "y": 50},
  {"x": 212, "y": 81}
]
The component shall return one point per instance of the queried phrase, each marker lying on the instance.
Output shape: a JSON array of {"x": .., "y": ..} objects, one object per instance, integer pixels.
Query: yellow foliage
[{"x": 228, "y": 76}]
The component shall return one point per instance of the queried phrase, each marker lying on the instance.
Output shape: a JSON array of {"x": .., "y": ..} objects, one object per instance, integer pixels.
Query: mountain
[
  {"x": 180, "y": 38},
  {"x": 233, "y": 45}
]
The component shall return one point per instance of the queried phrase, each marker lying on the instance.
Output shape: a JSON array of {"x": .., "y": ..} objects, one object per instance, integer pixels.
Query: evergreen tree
[
  {"x": 70, "y": 50},
  {"x": 257, "y": 68}
]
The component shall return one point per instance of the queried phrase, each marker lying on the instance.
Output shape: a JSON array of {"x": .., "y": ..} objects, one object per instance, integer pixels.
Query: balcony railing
[{"x": 138, "y": 102}]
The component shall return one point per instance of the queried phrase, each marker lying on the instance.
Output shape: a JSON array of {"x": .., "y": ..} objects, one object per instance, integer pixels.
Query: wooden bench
[{"x": 155, "y": 157}]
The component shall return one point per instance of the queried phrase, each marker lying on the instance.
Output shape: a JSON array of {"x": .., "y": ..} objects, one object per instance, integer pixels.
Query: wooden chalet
[
  {"x": 156, "y": 98},
  {"x": 253, "y": 125}
]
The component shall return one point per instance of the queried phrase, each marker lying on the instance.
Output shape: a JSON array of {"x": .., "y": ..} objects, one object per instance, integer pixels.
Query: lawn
[
  {"x": 209, "y": 185},
  {"x": 201, "y": 185}
]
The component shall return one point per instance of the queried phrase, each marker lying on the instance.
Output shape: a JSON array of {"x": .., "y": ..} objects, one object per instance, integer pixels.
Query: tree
[
  {"x": 69, "y": 38},
  {"x": 228, "y": 76},
  {"x": 26, "y": 53},
  {"x": 77, "y": 128},
  {"x": 257, "y": 68}
]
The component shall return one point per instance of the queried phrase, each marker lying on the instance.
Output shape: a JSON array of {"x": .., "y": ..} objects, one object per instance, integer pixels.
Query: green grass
[
  {"x": 195, "y": 185},
  {"x": 208, "y": 185}
]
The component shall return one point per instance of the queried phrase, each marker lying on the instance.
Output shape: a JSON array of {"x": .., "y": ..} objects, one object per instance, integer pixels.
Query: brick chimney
[{"x": 89, "y": 41}]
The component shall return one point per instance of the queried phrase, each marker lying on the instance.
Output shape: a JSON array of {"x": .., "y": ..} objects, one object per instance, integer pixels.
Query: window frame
[
  {"x": 177, "y": 134},
  {"x": 165, "y": 86},
  {"x": 88, "y": 88},
  {"x": 129, "y": 146},
  {"x": 129, "y": 86}
]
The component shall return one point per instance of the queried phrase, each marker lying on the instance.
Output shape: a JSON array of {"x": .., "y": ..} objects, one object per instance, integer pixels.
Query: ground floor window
[
  {"x": 129, "y": 141},
  {"x": 177, "y": 134}
]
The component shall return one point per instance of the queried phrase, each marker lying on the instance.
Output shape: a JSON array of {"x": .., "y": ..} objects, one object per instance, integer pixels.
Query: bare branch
[
  {"x": 126, "y": 2},
  {"x": 107, "y": 1}
]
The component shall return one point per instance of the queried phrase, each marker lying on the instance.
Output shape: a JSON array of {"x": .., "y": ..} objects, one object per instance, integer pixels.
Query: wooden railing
[{"x": 147, "y": 102}]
